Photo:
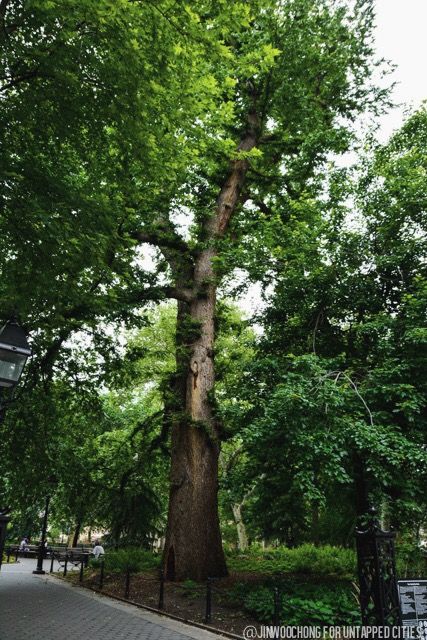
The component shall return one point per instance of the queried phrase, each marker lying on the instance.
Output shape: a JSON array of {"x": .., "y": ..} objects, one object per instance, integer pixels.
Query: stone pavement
[{"x": 44, "y": 608}]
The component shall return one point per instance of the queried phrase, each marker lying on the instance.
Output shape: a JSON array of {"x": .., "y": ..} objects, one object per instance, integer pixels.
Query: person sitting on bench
[
  {"x": 24, "y": 545},
  {"x": 98, "y": 550}
]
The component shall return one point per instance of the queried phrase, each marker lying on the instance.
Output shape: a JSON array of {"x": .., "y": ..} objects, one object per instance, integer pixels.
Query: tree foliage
[
  {"x": 149, "y": 151},
  {"x": 341, "y": 365}
]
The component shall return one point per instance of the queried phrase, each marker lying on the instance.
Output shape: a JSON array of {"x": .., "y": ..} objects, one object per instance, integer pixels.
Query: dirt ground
[{"x": 185, "y": 600}]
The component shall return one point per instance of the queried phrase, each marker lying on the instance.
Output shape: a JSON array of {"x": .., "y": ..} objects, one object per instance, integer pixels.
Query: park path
[{"x": 44, "y": 608}]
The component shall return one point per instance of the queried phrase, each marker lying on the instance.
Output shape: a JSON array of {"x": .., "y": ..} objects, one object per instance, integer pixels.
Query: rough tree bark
[{"x": 193, "y": 546}]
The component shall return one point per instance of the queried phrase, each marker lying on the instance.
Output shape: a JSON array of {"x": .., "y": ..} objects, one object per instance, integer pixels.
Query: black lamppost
[
  {"x": 14, "y": 352},
  {"x": 39, "y": 570},
  {"x": 4, "y": 520}
]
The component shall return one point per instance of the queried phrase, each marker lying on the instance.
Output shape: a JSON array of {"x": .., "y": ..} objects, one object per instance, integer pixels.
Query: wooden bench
[
  {"x": 73, "y": 555},
  {"x": 30, "y": 551}
]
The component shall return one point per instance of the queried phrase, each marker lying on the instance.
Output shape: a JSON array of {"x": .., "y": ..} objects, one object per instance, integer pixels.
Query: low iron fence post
[
  {"x": 8, "y": 553},
  {"x": 82, "y": 564},
  {"x": 51, "y": 562},
  {"x": 127, "y": 584},
  {"x": 162, "y": 591},
  {"x": 208, "y": 613},
  {"x": 16, "y": 554},
  {"x": 66, "y": 564},
  {"x": 101, "y": 575}
]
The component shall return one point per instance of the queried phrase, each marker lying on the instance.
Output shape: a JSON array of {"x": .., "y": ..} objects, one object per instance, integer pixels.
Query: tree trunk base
[{"x": 193, "y": 548}]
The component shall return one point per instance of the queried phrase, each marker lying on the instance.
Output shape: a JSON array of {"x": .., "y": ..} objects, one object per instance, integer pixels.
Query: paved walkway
[{"x": 44, "y": 608}]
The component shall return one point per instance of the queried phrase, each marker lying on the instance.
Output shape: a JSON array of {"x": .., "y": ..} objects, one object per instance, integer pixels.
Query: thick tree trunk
[
  {"x": 193, "y": 546},
  {"x": 76, "y": 534},
  {"x": 242, "y": 537}
]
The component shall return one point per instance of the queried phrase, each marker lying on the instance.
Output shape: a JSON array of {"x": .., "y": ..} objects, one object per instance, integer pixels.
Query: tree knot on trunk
[
  {"x": 176, "y": 483},
  {"x": 195, "y": 370}
]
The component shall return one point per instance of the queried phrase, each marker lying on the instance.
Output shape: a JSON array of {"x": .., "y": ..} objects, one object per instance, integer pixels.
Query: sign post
[{"x": 413, "y": 602}]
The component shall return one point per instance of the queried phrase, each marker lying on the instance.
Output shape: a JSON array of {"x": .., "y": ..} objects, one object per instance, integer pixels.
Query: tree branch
[
  {"x": 216, "y": 225},
  {"x": 175, "y": 249},
  {"x": 18, "y": 79},
  {"x": 169, "y": 239},
  {"x": 158, "y": 293}
]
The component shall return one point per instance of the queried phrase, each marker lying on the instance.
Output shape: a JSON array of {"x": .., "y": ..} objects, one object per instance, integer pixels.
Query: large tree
[
  {"x": 294, "y": 73},
  {"x": 179, "y": 125},
  {"x": 339, "y": 377}
]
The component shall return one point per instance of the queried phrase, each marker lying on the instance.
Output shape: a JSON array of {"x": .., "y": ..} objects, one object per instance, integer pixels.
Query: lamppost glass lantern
[{"x": 14, "y": 351}]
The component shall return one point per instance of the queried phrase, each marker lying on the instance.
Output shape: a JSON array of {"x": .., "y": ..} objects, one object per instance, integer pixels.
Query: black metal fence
[
  {"x": 376, "y": 568},
  {"x": 379, "y": 600},
  {"x": 206, "y": 593}
]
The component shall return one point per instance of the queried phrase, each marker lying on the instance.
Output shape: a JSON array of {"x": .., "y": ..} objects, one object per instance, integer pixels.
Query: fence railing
[
  {"x": 97, "y": 579},
  {"x": 78, "y": 559}
]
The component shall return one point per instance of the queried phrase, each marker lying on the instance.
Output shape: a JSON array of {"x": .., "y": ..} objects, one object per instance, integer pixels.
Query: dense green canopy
[{"x": 152, "y": 152}]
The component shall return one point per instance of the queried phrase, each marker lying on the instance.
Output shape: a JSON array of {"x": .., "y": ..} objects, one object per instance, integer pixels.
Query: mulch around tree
[{"x": 186, "y": 600}]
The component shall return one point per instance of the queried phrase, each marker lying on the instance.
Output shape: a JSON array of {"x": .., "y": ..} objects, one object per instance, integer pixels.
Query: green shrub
[
  {"x": 318, "y": 606},
  {"x": 259, "y": 603},
  {"x": 411, "y": 561},
  {"x": 131, "y": 559},
  {"x": 305, "y": 559},
  {"x": 94, "y": 563}
]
